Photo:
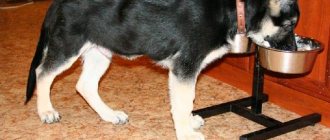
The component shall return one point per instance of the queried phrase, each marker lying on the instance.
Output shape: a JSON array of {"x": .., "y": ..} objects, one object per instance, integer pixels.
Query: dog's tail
[
  {"x": 49, "y": 22},
  {"x": 31, "y": 83}
]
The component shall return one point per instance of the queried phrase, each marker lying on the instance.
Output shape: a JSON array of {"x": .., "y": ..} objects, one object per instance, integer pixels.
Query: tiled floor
[{"x": 137, "y": 87}]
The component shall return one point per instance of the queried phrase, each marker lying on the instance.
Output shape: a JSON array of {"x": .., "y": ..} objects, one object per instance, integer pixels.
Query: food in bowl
[{"x": 306, "y": 44}]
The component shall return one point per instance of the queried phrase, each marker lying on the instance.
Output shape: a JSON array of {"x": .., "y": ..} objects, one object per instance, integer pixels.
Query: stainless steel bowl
[
  {"x": 241, "y": 45},
  {"x": 291, "y": 62}
]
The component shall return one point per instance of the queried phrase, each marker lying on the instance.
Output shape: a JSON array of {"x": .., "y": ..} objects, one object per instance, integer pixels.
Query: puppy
[{"x": 181, "y": 35}]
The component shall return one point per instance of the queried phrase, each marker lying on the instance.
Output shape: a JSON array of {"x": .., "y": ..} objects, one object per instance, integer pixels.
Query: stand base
[{"x": 273, "y": 127}]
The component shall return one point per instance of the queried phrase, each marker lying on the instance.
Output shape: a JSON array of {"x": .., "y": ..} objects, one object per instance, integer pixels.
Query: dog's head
[{"x": 273, "y": 24}]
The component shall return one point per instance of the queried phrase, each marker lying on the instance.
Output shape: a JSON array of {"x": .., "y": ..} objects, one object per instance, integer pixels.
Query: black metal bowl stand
[{"x": 240, "y": 107}]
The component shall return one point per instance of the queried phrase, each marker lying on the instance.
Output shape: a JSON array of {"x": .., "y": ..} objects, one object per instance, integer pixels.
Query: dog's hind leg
[
  {"x": 53, "y": 64},
  {"x": 95, "y": 65}
]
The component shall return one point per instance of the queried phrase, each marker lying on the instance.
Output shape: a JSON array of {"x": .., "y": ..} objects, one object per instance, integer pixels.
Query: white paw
[
  {"x": 115, "y": 117},
  {"x": 192, "y": 136},
  {"x": 49, "y": 116},
  {"x": 197, "y": 121}
]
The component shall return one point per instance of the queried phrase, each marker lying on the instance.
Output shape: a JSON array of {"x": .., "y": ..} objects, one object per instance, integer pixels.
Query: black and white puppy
[{"x": 181, "y": 35}]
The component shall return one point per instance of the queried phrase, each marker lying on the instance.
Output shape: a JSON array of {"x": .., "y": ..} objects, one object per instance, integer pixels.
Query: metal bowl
[
  {"x": 291, "y": 62},
  {"x": 241, "y": 45}
]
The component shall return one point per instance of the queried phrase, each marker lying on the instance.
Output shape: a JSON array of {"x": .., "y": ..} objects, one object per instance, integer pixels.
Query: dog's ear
[{"x": 276, "y": 6}]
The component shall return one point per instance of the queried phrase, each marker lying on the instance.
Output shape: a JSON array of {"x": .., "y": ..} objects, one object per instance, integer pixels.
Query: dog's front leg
[{"x": 182, "y": 95}]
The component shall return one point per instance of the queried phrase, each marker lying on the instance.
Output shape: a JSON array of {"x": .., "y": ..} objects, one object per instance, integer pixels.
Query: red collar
[{"x": 240, "y": 6}]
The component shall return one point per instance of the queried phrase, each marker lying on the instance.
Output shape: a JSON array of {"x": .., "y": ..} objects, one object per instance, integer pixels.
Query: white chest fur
[{"x": 214, "y": 55}]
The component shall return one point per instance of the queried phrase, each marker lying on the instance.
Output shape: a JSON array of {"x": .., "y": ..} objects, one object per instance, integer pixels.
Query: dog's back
[{"x": 134, "y": 27}]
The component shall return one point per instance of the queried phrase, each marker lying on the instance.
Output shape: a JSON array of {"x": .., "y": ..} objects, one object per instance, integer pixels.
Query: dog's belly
[{"x": 108, "y": 53}]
